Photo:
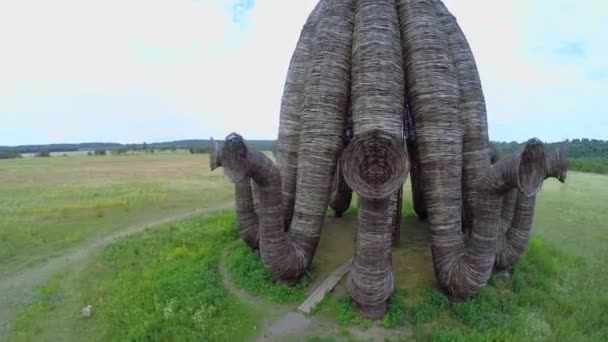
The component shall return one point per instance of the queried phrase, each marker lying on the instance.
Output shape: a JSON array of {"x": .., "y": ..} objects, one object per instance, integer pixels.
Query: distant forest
[
  {"x": 178, "y": 144},
  {"x": 587, "y": 155}
]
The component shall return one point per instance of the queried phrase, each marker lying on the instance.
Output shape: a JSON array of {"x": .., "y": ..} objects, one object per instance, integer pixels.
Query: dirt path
[
  {"x": 283, "y": 322},
  {"x": 280, "y": 321},
  {"x": 18, "y": 289}
]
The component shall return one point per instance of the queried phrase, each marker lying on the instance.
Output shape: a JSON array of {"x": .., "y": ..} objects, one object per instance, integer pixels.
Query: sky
[{"x": 150, "y": 70}]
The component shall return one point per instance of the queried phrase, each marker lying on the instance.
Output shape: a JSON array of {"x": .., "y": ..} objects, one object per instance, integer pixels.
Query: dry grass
[
  {"x": 50, "y": 204},
  {"x": 556, "y": 293}
]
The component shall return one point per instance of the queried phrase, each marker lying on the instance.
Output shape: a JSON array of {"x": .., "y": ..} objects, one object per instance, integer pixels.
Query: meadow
[
  {"x": 194, "y": 280},
  {"x": 48, "y": 205}
]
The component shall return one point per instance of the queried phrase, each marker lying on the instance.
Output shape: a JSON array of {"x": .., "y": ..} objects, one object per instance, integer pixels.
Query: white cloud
[
  {"x": 96, "y": 43},
  {"x": 189, "y": 62},
  {"x": 190, "y": 55},
  {"x": 530, "y": 90}
]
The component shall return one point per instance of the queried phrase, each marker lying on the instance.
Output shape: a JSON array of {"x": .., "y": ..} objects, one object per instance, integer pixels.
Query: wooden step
[{"x": 328, "y": 284}]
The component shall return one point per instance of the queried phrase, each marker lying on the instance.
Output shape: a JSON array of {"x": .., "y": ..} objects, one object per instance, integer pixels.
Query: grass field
[
  {"x": 50, "y": 204},
  {"x": 166, "y": 283}
]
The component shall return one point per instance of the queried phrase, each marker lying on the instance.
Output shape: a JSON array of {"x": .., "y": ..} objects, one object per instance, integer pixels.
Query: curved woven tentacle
[
  {"x": 416, "y": 184},
  {"x": 341, "y": 193},
  {"x": 557, "y": 164},
  {"x": 323, "y": 113},
  {"x": 287, "y": 255},
  {"x": 215, "y": 156},
  {"x": 416, "y": 181},
  {"x": 518, "y": 215},
  {"x": 275, "y": 150},
  {"x": 255, "y": 194},
  {"x": 286, "y": 148},
  {"x": 374, "y": 162},
  {"x": 516, "y": 225},
  {"x": 432, "y": 78},
  {"x": 466, "y": 269},
  {"x": 246, "y": 216},
  {"x": 472, "y": 107},
  {"x": 494, "y": 155},
  {"x": 434, "y": 98},
  {"x": 246, "y": 200},
  {"x": 242, "y": 163}
]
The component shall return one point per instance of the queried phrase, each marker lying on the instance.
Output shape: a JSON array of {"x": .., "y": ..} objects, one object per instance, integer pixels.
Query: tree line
[
  {"x": 586, "y": 155},
  {"x": 193, "y": 145}
]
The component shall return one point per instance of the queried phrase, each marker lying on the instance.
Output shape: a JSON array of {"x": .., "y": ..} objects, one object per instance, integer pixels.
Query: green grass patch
[
  {"x": 346, "y": 315},
  {"x": 248, "y": 272},
  {"x": 49, "y": 205},
  {"x": 156, "y": 286},
  {"x": 542, "y": 301},
  {"x": 165, "y": 284}
]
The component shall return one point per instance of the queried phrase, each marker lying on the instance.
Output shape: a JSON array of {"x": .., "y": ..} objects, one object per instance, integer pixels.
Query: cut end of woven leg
[
  {"x": 375, "y": 164},
  {"x": 532, "y": 166},
  {"x": 234, "y": 157},
  {"x": 494, "y": 155},
  {"x": 557, "y": 164},
  {"x": 215, "y": 156}
]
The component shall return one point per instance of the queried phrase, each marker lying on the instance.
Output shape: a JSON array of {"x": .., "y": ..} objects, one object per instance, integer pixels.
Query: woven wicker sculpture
[{"x": 374, "y": 87}]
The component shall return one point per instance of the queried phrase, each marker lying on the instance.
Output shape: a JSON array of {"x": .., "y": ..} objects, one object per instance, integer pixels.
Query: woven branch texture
[
  {"x": 376, "y": 90},
  {"x": 215, "y": 156},
  {"x": 341, "y": 193},
  {"x": 518, "y": 214}
]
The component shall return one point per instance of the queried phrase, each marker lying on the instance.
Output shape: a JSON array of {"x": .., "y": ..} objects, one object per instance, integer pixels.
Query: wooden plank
[{"x": 328, "y": 284}]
